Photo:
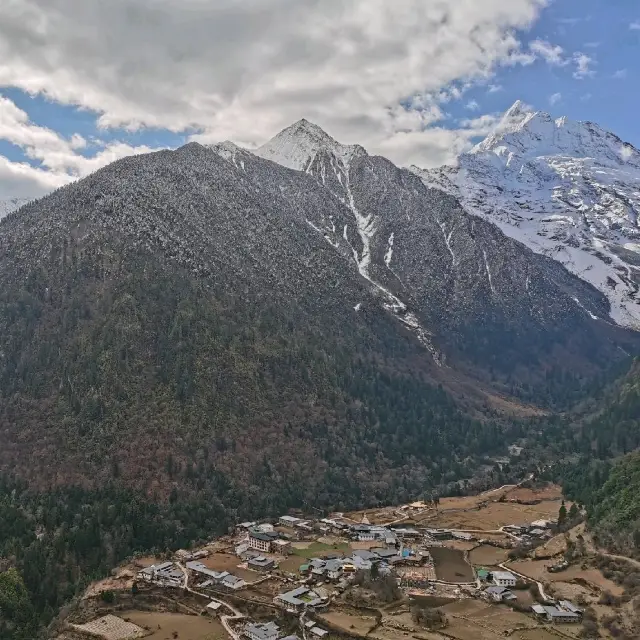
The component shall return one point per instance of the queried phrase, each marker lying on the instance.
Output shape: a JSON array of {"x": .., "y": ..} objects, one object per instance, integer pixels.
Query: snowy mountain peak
[
  {"x": 568, "y": 190},
  {"x": 523, "y": 134},
  {"x": 295, "y": 146}
]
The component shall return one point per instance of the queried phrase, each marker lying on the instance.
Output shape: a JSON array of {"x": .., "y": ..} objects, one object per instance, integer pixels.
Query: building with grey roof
[
  {"x": 299, "y": 599},
  {"x": 554, "y": 614},
  {"x": 500, "y": 594},
  {"x": 261, "y": 563},
  {"x": 265, "y": 631},
  {"x": 569, "y": 606}
]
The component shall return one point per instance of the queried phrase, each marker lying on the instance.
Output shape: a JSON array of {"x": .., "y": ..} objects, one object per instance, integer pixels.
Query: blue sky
[{"x": 419, "y": 82}]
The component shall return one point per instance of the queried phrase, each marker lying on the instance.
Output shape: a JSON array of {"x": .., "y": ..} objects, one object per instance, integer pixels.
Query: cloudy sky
[{"x": 84, "y": 82}]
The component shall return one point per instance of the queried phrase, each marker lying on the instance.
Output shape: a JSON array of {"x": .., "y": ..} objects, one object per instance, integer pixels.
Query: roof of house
[
  {"x": 296, "y": 598},
  {"x": 335, "y": 564},
  {"x": 539, "y": 609},
  {"x": 503, "y": 575},
  {"x": 496, "y": 590},
  {"x": 232, "y": 581},
  {"x": 554, "y": 612},
  {"x": 569, "y": 606},
  {"x": 364, "y": 554},
  {"x": 261, "y": 561},
  {"x": 265, "y": 631},
  {"x": 214, "y": 605},
  {"x": 384, "y": 552},
  {"x": 291, "y": 519},
  {"x": 260, "y": 535},
  {"x": 319, "y": 632}
]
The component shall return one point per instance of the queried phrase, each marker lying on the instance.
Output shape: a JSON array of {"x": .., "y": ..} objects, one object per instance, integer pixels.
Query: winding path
[
  {"x": 224, "y": 620},
  {"x": 543, "y": 594}
]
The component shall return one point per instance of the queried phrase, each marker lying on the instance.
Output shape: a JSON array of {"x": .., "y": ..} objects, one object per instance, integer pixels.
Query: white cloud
[
  {"x": 620, "y": 74},
  {"x": 56, "y": 158},
  {"x": 472, "y": 105},
  {"x": 635, "y": 26},
  {"x": 586, "y": 97},
  {"x": 583, "y": 66},
  {"x": 245, "y": 70},
  {"x": 495, "y": 88},
  {"x": 552, "y": 54},
  {"x": 555, "y": 98}
]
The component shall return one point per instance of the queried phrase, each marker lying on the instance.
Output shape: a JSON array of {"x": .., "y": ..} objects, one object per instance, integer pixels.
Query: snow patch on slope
[{"x": 10, "y": 205}]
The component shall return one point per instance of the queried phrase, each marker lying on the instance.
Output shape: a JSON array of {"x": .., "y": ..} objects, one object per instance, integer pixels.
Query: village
[{"x": 494, "y": 565}]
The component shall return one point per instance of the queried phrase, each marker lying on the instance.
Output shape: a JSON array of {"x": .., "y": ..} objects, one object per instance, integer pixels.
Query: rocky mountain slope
[
  {"x": 567, "y": 190},
  {"x": 209, "y": 321}
]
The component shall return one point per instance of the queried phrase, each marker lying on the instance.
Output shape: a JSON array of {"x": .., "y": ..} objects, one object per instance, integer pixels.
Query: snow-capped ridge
[
  {"x": 523, "y": 134},
  {"x": 295, "y": 146},
  {"x": 568, "y": 190}
]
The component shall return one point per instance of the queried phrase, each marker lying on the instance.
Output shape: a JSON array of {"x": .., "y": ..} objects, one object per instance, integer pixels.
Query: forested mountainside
[
  {"x": 197, "y": 337},
  {"x": 178, "y": 326},
  {"x": 209, "y": 320}
]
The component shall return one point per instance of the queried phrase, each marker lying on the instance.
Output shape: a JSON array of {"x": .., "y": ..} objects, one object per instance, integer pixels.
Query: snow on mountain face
[
  {"x": 9, "y": 205},
  {"x": 567, "y": 190},
  {"x": 465, "y": 290},
  {"x": 295, "y": 146}
]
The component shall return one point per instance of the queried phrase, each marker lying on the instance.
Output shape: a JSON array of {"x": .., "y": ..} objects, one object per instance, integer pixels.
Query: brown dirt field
[
  {"x": 475, "y": 620},
  {"x": 493, "y": 516},
  {"x": 228, "y": 562},
  {"x": 376, "y": 516},
  {"x": 460, "y": 545},
  {"x": 534, "y": 634},
  {"x": 536, "y": 570},
  {"x": 163, "y": 625},
  {"x": 350, "y": 623},
  {"x": 301, "y": 545},
  {"x": 558, "y": 544},
  {"x": 550, "y": 492},
  {"x": 570, "y": 590},
  {"x": 122, "y": 581},
  {"x": 291, "y": 564},
  {"x": 451, "y": 566},
  {"x": 364, "y": 545},
  {"x": 487, "y": 555},
  {"x": 147, "y": 561}
]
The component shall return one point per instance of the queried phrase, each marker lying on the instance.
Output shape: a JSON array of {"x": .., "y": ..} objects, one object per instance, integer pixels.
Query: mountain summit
[
  {"x": 568, "y": 190},
  {"x": 295, "y": 146}
]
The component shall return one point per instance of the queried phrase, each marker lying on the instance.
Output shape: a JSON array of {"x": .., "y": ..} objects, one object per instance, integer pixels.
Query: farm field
[
  {"x": 475, "y": 620},
  {"x": 487, "y": 555},
  {"x": 164, "y": 625},
  {"x": 536, "y": 569},
  {"x": 492, "y": 516},
  {"x": 451, "y": 566},
  {"x": 351, "y": 623},
  {"x": 228, "y": 562}
]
